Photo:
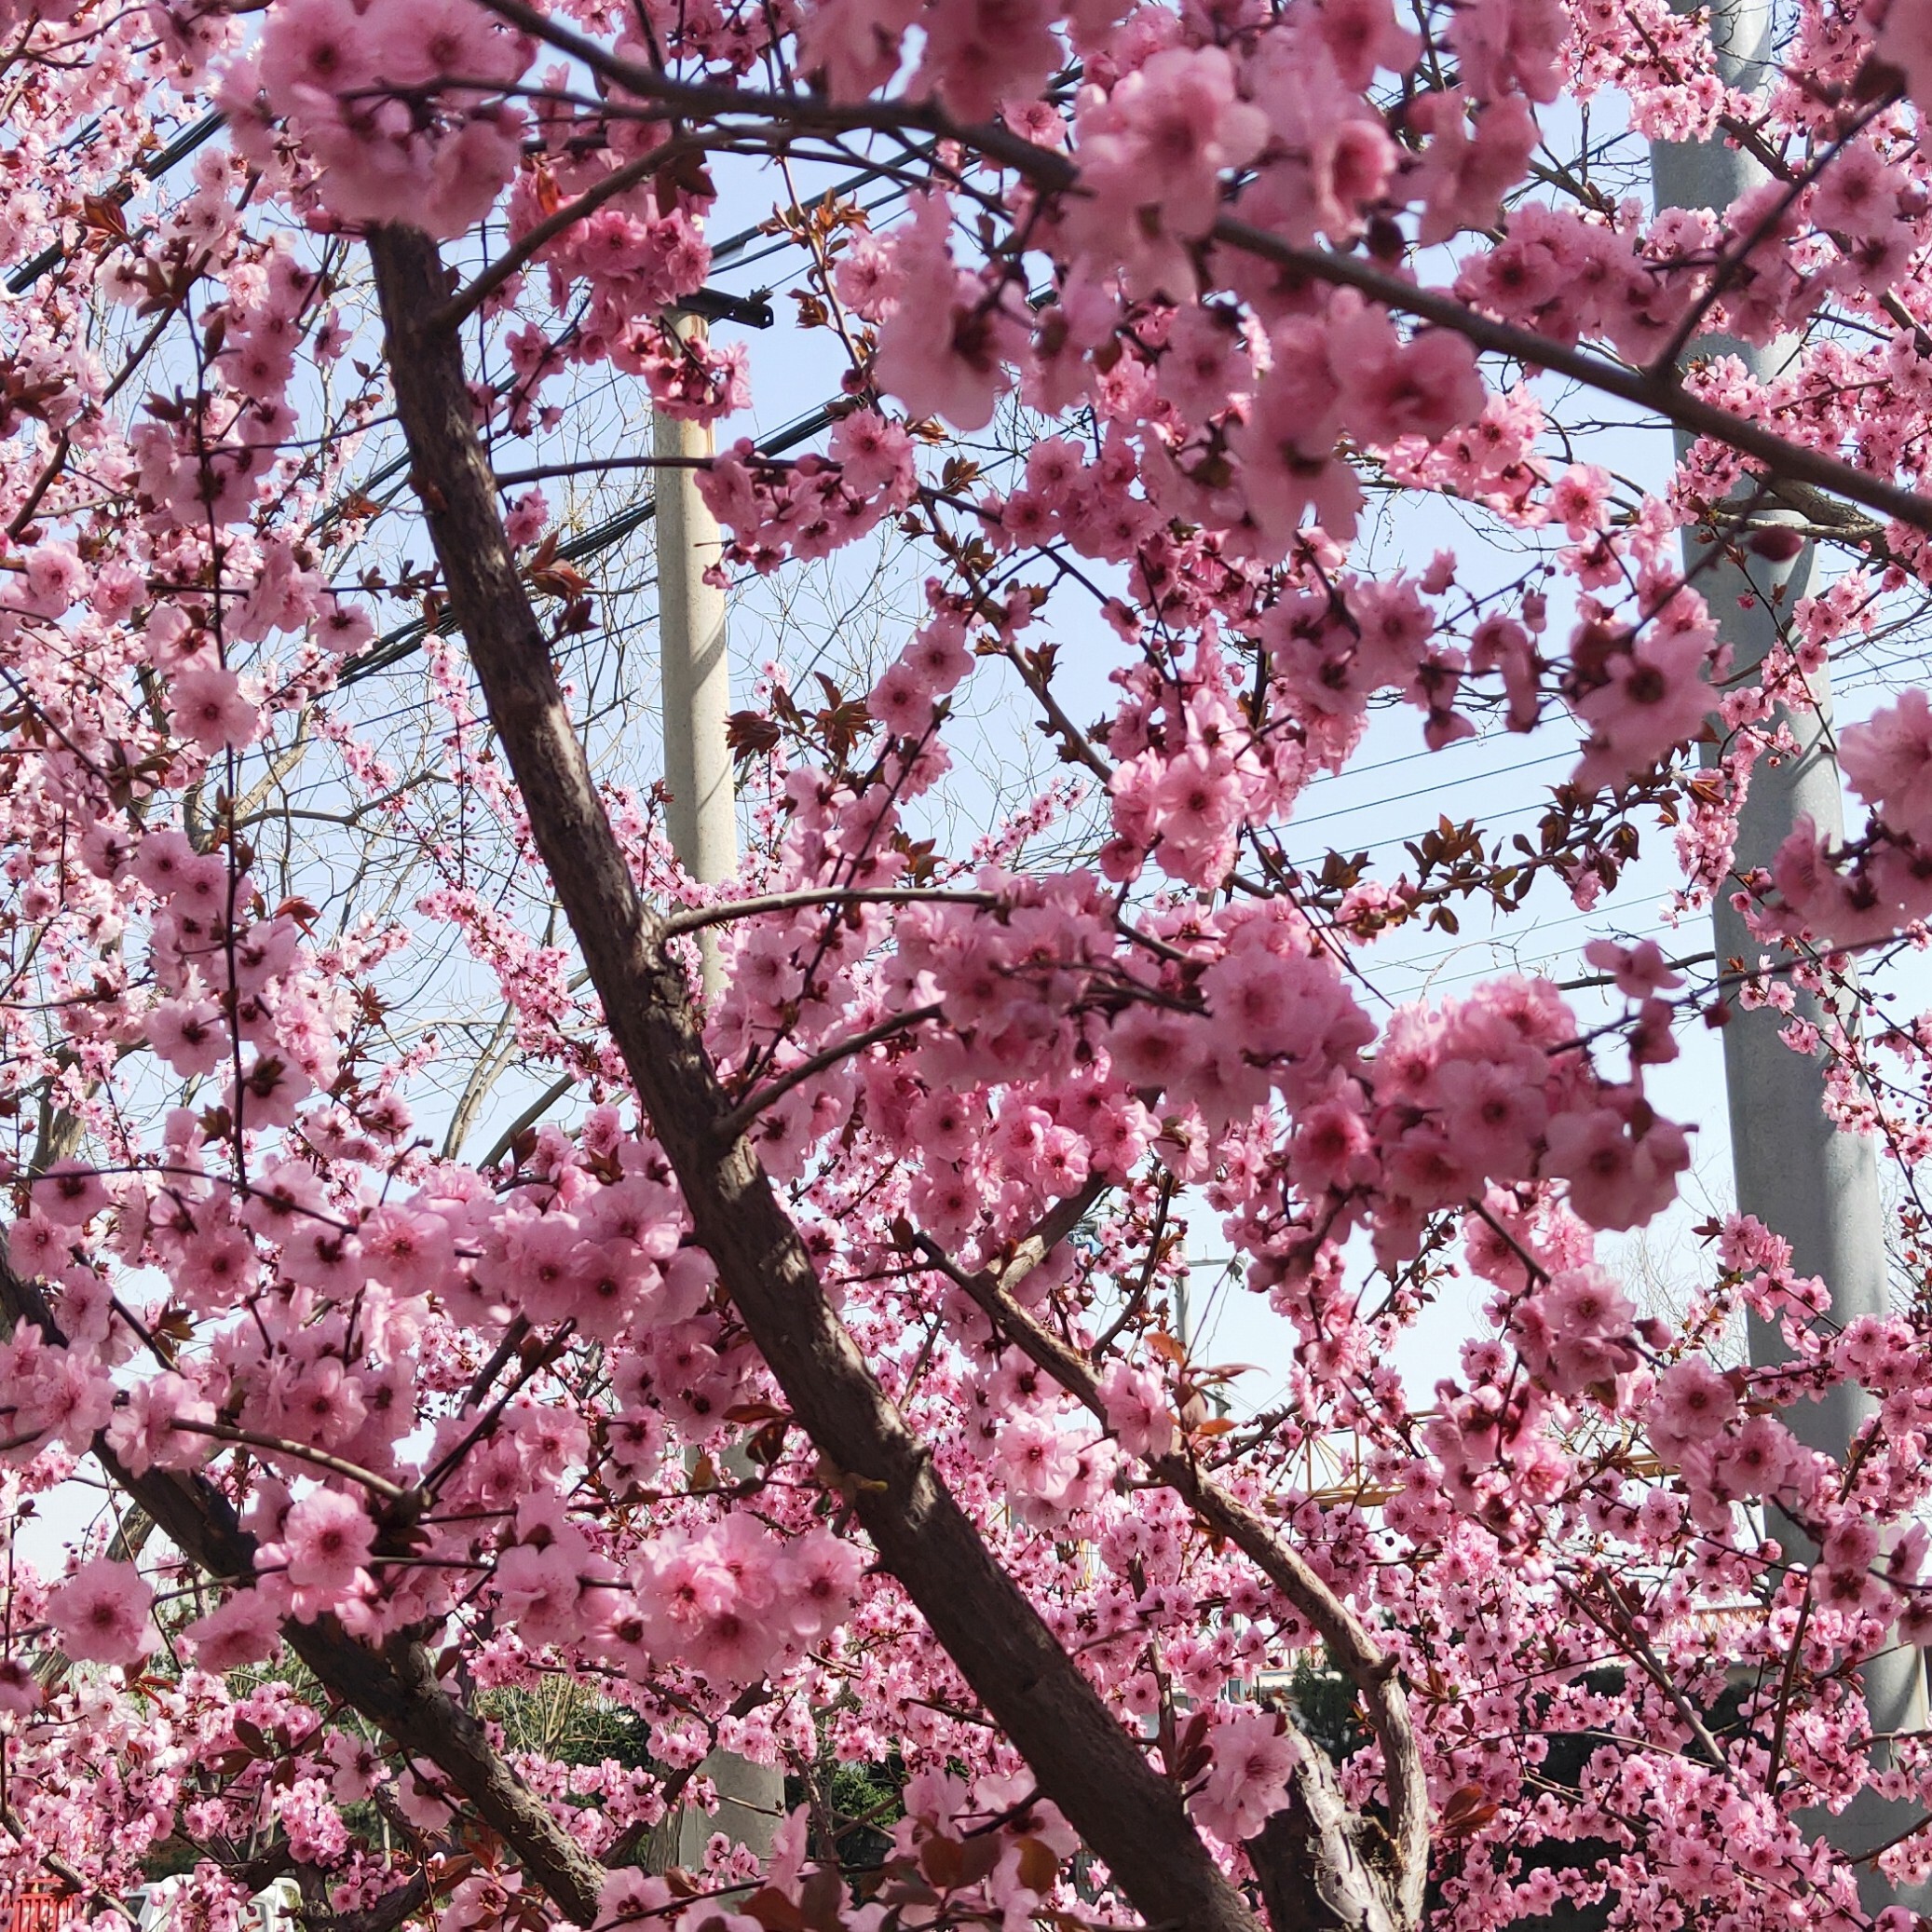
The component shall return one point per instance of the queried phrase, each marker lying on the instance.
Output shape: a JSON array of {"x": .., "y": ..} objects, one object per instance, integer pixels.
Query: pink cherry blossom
[
  {"x": 326, "y": 1539},
  {"x": 472, "y": 1253},
  {"x": 211, "y": 708},
  {"x": 103, "y": 1614},
  {"x": 1254, "y": 1755},
  {"x": 1693, "y": 1403}
]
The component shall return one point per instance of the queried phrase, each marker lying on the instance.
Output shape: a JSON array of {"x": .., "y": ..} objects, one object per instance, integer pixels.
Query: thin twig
[
  {"x": 696, "y": 918},
  {"x": 300, "y": 1452},
  {"x": 773, "y": 1091}
]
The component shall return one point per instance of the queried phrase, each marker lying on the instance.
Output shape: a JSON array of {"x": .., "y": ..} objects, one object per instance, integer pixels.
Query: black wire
[
  {"x": 178, "y": 150},
  {"x": 395, "y": 646}
]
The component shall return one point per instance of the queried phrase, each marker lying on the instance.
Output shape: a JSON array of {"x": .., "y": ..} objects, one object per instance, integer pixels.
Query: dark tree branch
[
  {"x": 396, "y": 1688},
  {"x": 741, "y": 1117},
  {"x": 1352, "y": 1896},
  {"x": 1665, "y": 396},
  {"x": 694, "y": 919},
  {"x": 1055, "y": 172},
  {"x": 1133, "y": 1818}
]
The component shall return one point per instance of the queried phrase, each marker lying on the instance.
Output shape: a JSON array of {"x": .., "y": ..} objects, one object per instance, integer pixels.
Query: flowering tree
[{"x": 814, "y": 1392}]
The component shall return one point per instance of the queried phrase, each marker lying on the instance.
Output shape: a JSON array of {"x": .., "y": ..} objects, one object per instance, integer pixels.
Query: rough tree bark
[{"x": 1130, "y": 1815}]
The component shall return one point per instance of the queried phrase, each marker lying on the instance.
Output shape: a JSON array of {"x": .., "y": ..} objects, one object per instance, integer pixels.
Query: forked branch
[{"x": 1130, "y": 1815}]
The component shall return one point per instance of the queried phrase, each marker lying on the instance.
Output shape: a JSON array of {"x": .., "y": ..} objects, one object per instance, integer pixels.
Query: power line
[
  {"x": 1379, "y": 845},
  {"x": 178, "y": 150},
  {"x": 395, "y": 646},
  {"x": 1531, "y": 966},
  {"x": 1449, "y": 784}
]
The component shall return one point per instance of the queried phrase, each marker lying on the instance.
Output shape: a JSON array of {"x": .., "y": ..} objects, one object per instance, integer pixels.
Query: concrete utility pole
[
  {"x": 695, "y": 675},
  {"x": 1801, "y": 1175},
  {"x": 694, "y": 667}
]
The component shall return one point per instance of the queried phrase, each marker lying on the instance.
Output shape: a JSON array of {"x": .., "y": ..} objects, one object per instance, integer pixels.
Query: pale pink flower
[
  {"x": 1905, "y": 40},
  {"x": 56, "y": 579},
  {"x": 209, "y": 706},
  {"x": 189, "y": 1035},
  {"x": 1254, "y": 1756},
  {"x": 1888, "y": 758},
  {"x": 819, "y": 1583},
  {"x": 103, "y": 1614},
  {"x": 244, "y": 1629},
  {"x": 326, "y": 1539},
  {"x": 217, "y": 1267},
  {"x": 1638, "y": 968},
  {"x": 35, "y": 1246},
  {"x": 142, "y": 1431},
  {"x": 69, "y": 1195},
  {"x": 1616, "y": 1181},
  {"x": 357, "y": 1766},
  {"x": 20, "y": 1694},
  {"x": 1137, "y": 1411},
  {"x": 1693, "y": 1403}
]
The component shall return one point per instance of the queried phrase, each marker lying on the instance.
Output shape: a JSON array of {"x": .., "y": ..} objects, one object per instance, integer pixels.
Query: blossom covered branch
[{"x": 815, "y": 1372}]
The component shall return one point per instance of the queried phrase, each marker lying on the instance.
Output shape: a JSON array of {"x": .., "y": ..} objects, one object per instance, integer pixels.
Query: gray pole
[
  {"x": 695, "y": 672},
  {"x": 695, "y": 669},
  {"x": 1801, "y": 1175}
]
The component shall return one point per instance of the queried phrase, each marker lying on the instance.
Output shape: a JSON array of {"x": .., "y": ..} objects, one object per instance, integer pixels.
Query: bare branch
[
  {"x": 299, "y": 1452},
  {"x": 461, "y": 307},
  {"x": 1665, "y": 396},
  {"x": 748, "y": 1110},
  {"x": 529, "y": 1117},
  {"x": 696, "y": 918}
]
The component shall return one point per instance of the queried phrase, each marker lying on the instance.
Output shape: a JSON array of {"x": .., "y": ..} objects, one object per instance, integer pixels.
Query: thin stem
[
  {"x": 695, "y": 918},
  {"x": 300, "y": 1452},
  {"x": 773, "y": 1091}
]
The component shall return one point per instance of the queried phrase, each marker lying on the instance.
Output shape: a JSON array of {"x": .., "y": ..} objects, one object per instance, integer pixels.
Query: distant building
[
  {"x": 41, "y": 1906},
  {"x": 271, "y": 1910}
]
